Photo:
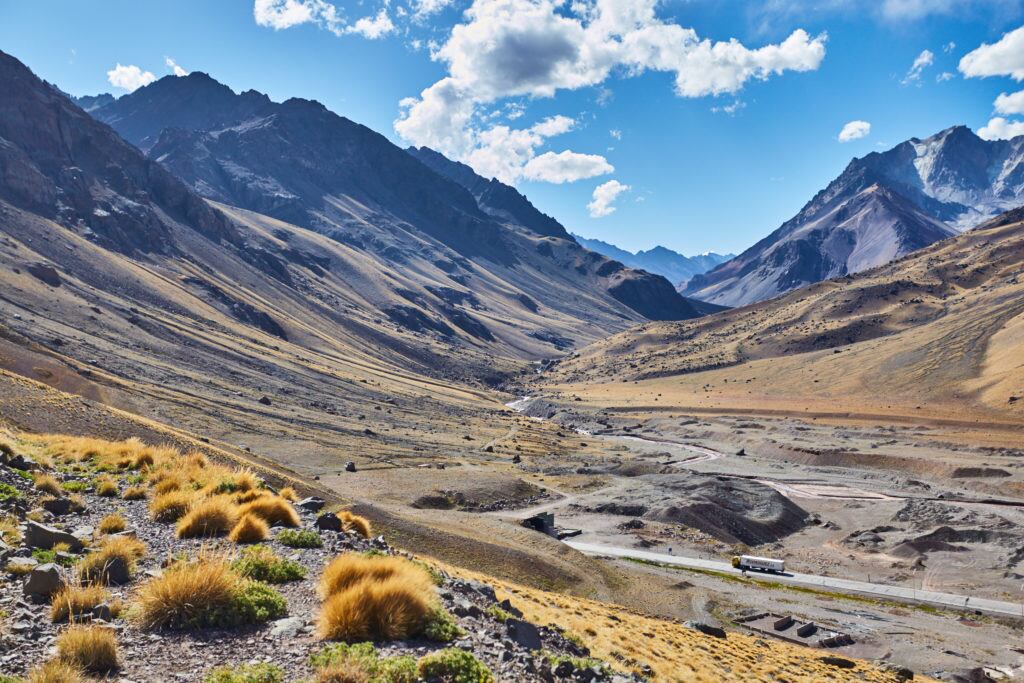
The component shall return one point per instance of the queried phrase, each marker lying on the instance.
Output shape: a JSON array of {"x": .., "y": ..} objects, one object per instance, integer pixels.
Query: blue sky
[{"x": 611, "y": 115}]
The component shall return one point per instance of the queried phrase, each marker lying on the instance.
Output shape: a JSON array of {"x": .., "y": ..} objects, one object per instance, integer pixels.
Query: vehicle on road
[{"x": 762, "y": 564}]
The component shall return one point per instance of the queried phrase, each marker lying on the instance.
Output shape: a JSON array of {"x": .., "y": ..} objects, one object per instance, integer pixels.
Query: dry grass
[
  {"x": 248, "y": 496},
  {"x": 349, "y": 569},
  {"x": 96, "y": 566},
  {"x": 352, "y": 522},
  {"x": 185, "y": 591},
  {"x": 47, "y": 484},
  {"x": 392, "y": 609},
  {"x": 91, "y": 648},
  {"x": 344, "y": 671},
  {"x": 106, "y": 487},
  {"x": 135, "y": 493},
  {"x": 112, "y": 524},
  {"x": 71, "y": 602},
  {"x": 250, "y": 529},
  {"x": 210, "y": 517},
  {"x": 171, "y": 506},
  {"x": 289, "y": 494},
  {"x": 55, "y": 671},
  {"x": 9, "y": 531},
  {"x": 273, "y": 510},
  {"x": 166, "y": 482}
]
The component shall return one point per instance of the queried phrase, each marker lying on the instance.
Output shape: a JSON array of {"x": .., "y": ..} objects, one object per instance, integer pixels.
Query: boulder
[
  {"x": 328, "y": 522},
  {"x": 507, "y": 606},
  {"x": 289, "y": 627},
  {"x": 103, "y": 612},
  {"x": 707, "y": 629},
  {"x": 56, "y": 506},
  {"x": 311, "y": 504},
  {"x": 43, "y": 581},
  {"x": 523, "y": 633},
  {"x": 42, "y": 536},
  {"x": 21, "y": 565},
  {"x": 350, "y": 466}
]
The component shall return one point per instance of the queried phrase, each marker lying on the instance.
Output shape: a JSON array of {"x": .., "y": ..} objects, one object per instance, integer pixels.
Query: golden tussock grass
[
  {"x": 210, "y": 517},
  {"x": 185, "y": 590},
  {"x": 352, "y": 522},
  {"x": 289, "y": 494},
  {"x": 349, "y": 569},
  {"x": 393, "y": 609},
  {"x": 135, "y": 493},
  {"x": 171, "y": 506},
  {"x": 55, "y": 671},
  {"x": 112, "y": 524},
  {"x": 344, "y": 671},
  {"x": 166, "y": 483},
  {"x": 273, "y": 510},
  {"x": 47, "y": 484},
  {"x": 71, "y": 602},
  {"x": 250, "y": 529},
  {"x": 96, "y": 566},
  {"x": 91, "y": 648},
  {"x": 106, "y": 487}
]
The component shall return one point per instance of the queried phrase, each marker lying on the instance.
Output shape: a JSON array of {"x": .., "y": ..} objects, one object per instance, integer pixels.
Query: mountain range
[
  {"x": 882, "y": 207},
  {"x": 675, "y": 267}
]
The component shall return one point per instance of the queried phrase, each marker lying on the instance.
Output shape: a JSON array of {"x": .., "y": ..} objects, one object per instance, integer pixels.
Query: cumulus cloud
[
  {"x": 565, "y": 167},
  {"x": 604, "y": 196},
  {"x": 921, "y": 62},
  {"x": 854, "y": 130},
  {"x": 129, "y": 77},
  {"x": 282, "y": 14},
  {"x": 1010, "y": 104},
  {"x": 425, "y": 8},
  {"x": 175, "y": 67},
  {"x": 1002, "y": 58},
  {"x": 535, "y": 48},
  {"x": 1001, "y": 129}
]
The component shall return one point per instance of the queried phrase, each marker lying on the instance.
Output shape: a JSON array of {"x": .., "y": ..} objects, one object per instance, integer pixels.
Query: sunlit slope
[{"x": 939, "y": 331}]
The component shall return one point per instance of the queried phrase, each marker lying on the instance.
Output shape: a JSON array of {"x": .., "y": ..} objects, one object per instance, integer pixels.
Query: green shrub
[
  {"x": 435, "y": 574},
  {"x": 74, "y": 486},
  {"x": 260, "y": 563},
  {"x": 364, "y": 657},
  {"x": 453, "y": 665},
  {"x": 22, "y": 473},
  {"x": 295, "y": 538},
  {"x": 8, "y": 492},
  {"x": 247, "y": 673},
  {"x": 50, "y": 556},
  {"x": 499, "y": 614},
  {"x": 578, "y": 663},
  {"x": 441, "y": 627},
  {"x": 255, "y": 603}
]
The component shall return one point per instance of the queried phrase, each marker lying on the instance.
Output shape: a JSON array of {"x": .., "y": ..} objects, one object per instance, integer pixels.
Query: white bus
[{"x": 764, "y": 564}]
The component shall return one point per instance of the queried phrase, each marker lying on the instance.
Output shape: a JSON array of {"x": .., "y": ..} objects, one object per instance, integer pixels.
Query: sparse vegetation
[
  {"x": 453, "y": 666},
  {"x": 90, "y": 648},
  {"x": 55, "y": 671},
  {"x": 114, "y": 555},
  {"x": 343, "y": 663},
  {"x": 106, "y": 487},
  {"x": 71, "y": 602},
  {"x": 46, "y": 483},
  {"x": 299, "y": 538},
  {"x": 8, "y": 493},
  {"x": 262, "y": 564},
  {"x": 247, "y": 673}
]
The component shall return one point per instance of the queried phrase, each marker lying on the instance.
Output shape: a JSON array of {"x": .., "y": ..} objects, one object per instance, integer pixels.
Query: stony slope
[{"x": 883, "y": 206}]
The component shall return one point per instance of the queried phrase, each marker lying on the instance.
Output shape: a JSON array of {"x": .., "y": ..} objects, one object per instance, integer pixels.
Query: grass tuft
[
  {"x": 247, "y": 673},
  {"x": 112, "y": 524},
  {"x": 351, "y": 522},
  {"x": 299, "y": 539},
  {"x": 55, "y": 671},
  {"x": 375, "y": 610},
  {"x": 106, "y": 487},
  {"x": 47, "y": 484},
  {"x": 90, "y": 648},
  {"x": 273, "y": 510},
  {"x": 211, "y": 517},
  {"x": 349, "y": 569},
  {"x": 249, "y": 529},
  {"x": 262, "y": 564},
  {"x": 98, "y": 566},
  {"x": 289, "y": 494},
  {"x": 134, "y": 493},
  {"x": 72, "y": 602},
  {"x": 170, "y": 506}
]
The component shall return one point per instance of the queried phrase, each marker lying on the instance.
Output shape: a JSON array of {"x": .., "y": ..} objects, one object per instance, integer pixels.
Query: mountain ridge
[{"x": 669, "y": 263}]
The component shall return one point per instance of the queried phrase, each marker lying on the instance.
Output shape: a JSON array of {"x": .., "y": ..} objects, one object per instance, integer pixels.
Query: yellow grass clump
[
  {"x": 55, "y": 671},
  {"x": 349, "y": 569},
  {"x": 289, "y": 494},
  {"x": 106, "y": 487},
  {"x": 210, "y": 517},
  {"x": 184, "y": 591},
  {"x": 171, "y": 506},
  {"x": 91, "y": 648},
  {"x": 112, "y": 524},
  {"x": 71, "y": 602},
  {"x": 99, "y": 565},
  {"x": 166, "y": 483},
  {"x": 47, "y": 484},
  {"x": 392, "y": 609},
  {"x": 134, "y": 493},
  {"x": 250, "y": 529},
  {"x": 273, "y": 510},
  {"x": 351, "y": 522}
]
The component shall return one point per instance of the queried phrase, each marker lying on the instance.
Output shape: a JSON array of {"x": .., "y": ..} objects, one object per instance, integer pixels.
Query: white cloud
[
  {"x": 425, "y": 8},
  {"x": 854, "y": 130},
  {"x": 615, "y": 133},
  {"x": 129, "y": 77},
  {"x": 921, "y": 62},
  {"x": 373, "y": 27},
  {"x": 917, "y": 9},
  {"x": 175, "y": 67},
  {"x": 565, "y": 167},
  {"x": 949, "y": 47},
  {"x": 730, "y": 108},
  {"x": 1002, "y": 58},
  {"x": 945, "y": 76},
  {"x": 1010, "y": 104},
  {"x": 603, "y": 197},
  {"x": 1001, "y": 129},
  {"x": 282, "y": 14},
  {"x": 535, "y": 48}
]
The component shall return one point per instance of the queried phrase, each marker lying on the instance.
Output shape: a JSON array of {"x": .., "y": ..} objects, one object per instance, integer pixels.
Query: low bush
[
  {"x": 75, "y": 486},
  {"x": 453, "y": 665},
  {"x": 90, "y": 648},
  {"x": 170, "y": 506},
  {"x": 344, "y": 663},
  {"x": 299, "y": 539},
  {"x": 273, "y": 510},
  {"x": 441, "y": 626},
  {"x": 249, "y": 529},
  {"x": 72, "y": 602},
  {"x": 211, "y": 517},
  {"x": 205, "y": 592},
  {"x": 9, "y": 493},
  {"x": 262, "y": 564},
  {"x": 55, "y": 671},
  {"x": 46, "y": 483},
  {"x": 247, "y": 673},
  {"x": 112, "y": 524}
]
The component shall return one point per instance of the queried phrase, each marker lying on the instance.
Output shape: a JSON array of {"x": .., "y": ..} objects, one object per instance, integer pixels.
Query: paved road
[{"x": 824, "y": 582}]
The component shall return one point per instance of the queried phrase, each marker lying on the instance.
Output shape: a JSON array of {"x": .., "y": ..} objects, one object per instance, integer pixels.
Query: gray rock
[
  {"x": 57, "y": 506},
  {"x": 507, "y": 605},
  {"x": 328, "y": 522},
  {"x": 289, "y": 627},
  {"x": 42, "y": 536},
  {"x": 312, "y": 504},
  {"x": 103, "y": 611},
  {"x": 22, "y": 564},
  {"x": 465, "y": 608},
  {"x": 114, "y": 573},
  {"x": 524, "y": 633},
  {"x": 350, "y": 466},
  {"x": 707, "y": 629},
  {"x": 564, "y": 669},
  {"x": 43, "y": 581}
]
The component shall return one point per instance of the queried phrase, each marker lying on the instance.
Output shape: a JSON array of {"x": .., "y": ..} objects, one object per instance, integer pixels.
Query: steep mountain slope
[
  {"x": 883, "y": 206},
  {"x": 675, "y": 267},
  {"x": 936, "y": 333},
  {"x": 299, "y": 162}
]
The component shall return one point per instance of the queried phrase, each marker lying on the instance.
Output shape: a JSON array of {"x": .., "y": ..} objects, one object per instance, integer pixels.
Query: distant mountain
[
  {"x": 677, "y": 268},
  {"x": 93, "y": 102},
  {"x": 301, "y": 163},
  {"x": 883, "y": 206}
]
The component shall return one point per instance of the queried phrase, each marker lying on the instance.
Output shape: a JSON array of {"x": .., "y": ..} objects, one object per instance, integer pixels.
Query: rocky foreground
[{"x": 67, "y": 505}]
